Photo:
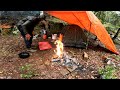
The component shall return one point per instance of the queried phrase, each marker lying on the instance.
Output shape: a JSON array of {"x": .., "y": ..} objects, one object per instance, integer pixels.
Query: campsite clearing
[{"x": 40, "y": 66}]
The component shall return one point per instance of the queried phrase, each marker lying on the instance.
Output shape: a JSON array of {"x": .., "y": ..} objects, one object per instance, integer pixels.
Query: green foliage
[
  {"x": 117, "y": 57},
  {"x": 26, "y": 71},
  {"x": 28, "y": 75},
  {"x": 108, "y": 72},
  {"x": 56, "y": 20},
  {"x": 110, "y": 19},
  {"x": 15, "y": 31}
]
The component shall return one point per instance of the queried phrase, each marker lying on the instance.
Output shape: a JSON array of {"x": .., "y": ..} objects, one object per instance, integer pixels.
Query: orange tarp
[{"x": 88, "y": 21}]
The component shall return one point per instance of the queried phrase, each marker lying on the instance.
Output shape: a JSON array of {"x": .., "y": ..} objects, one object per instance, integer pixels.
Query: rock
[
  {"x": 67, "y": 60},
  {"x": 118, "y": 38},
  {"x": 118, "y": 65},
  {"x": 84, "y": 69},
  {"x": 3, "y": 77},
  {"x": 92, "y": 77},
  {"x": 70, "y": 77},
  {"x": 85, "y": 55},
  {"x": 110, "y": 62},
  {"x": 47, "y": 62},
  {"x": 11, "y": 73},
  {"x": 55, "y": 57},
  {"x": 1, "y": 72},
  {"x": 9, "y": 77},
  {"x": 92, "y": 71}
]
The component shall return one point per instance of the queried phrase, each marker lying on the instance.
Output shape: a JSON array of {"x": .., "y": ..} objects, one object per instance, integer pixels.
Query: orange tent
[{"x": 88, "y": 21}]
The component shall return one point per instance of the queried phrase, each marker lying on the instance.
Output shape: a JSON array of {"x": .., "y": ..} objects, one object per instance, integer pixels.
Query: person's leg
[
  {"x": 27, "y": 42},
  {"x": 31, "y": 38}
]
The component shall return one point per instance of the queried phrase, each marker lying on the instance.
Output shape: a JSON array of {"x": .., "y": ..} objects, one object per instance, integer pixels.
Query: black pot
[{"x": 24, "y": 55}]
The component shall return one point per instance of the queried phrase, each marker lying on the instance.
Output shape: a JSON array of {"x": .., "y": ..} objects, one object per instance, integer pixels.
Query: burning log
[{"x": 55, "y": 59}]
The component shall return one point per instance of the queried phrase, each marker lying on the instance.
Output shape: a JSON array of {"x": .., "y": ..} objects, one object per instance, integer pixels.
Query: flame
[{"x": 59, "y": 47}]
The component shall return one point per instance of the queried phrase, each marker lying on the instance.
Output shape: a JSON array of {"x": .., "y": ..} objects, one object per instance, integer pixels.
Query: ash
[{"x": 68, "y": 61}]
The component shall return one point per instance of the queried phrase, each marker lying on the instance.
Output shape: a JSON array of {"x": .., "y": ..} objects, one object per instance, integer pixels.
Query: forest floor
[{"x": 40, "y": 65}]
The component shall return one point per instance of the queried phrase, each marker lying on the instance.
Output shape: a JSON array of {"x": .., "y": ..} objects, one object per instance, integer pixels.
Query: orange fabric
[
  {"x": 44, "y": 45},
  {"x": 60, "y": 37},
  {"x": 88, "y": 21},
  {"x": 4, "y": 26}
]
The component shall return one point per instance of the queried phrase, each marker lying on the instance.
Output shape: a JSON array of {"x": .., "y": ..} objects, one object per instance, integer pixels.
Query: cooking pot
[{"x": 24, "y": 55}]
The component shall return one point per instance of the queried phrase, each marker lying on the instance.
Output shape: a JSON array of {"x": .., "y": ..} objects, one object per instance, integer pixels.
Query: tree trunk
[{"x": 116, "y": 35}]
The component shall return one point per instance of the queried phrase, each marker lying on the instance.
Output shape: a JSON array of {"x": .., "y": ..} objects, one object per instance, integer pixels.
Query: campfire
[
  {"x": 63, "y": 57},
  {"x": 59, "y": 47}
]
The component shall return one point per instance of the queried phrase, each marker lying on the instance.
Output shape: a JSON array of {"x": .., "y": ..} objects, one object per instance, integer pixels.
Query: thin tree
[{"x": 116, "y": 35}]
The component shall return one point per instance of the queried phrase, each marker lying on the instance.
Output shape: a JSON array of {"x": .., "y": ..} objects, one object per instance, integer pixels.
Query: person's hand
[{"x": 27, "y": 36}]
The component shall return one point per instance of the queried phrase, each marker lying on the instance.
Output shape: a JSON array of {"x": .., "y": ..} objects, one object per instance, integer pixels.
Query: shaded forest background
[{"x": 110, "y": 19}]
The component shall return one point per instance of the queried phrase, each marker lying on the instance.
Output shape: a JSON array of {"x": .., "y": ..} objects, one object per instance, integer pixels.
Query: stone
[
  {"x": 9, "y": 77},
  {"x": 70, "y": 77},
  {"x": 110, "y": 62},
  {"x": 84, "y": 69},
  {"x": 67, "y": 60},
  {"x": 77, "y": 77},
  {"x": 1, "y": 72},
  {"x": 47, "y": 62},
  {"x": 92, "y": 77},
  {"x": 85, "y": 55},
  {"x": 118, "y": 65},
  {"x": 55, "y": 56},
  {"x": 3, "y": 77}
]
